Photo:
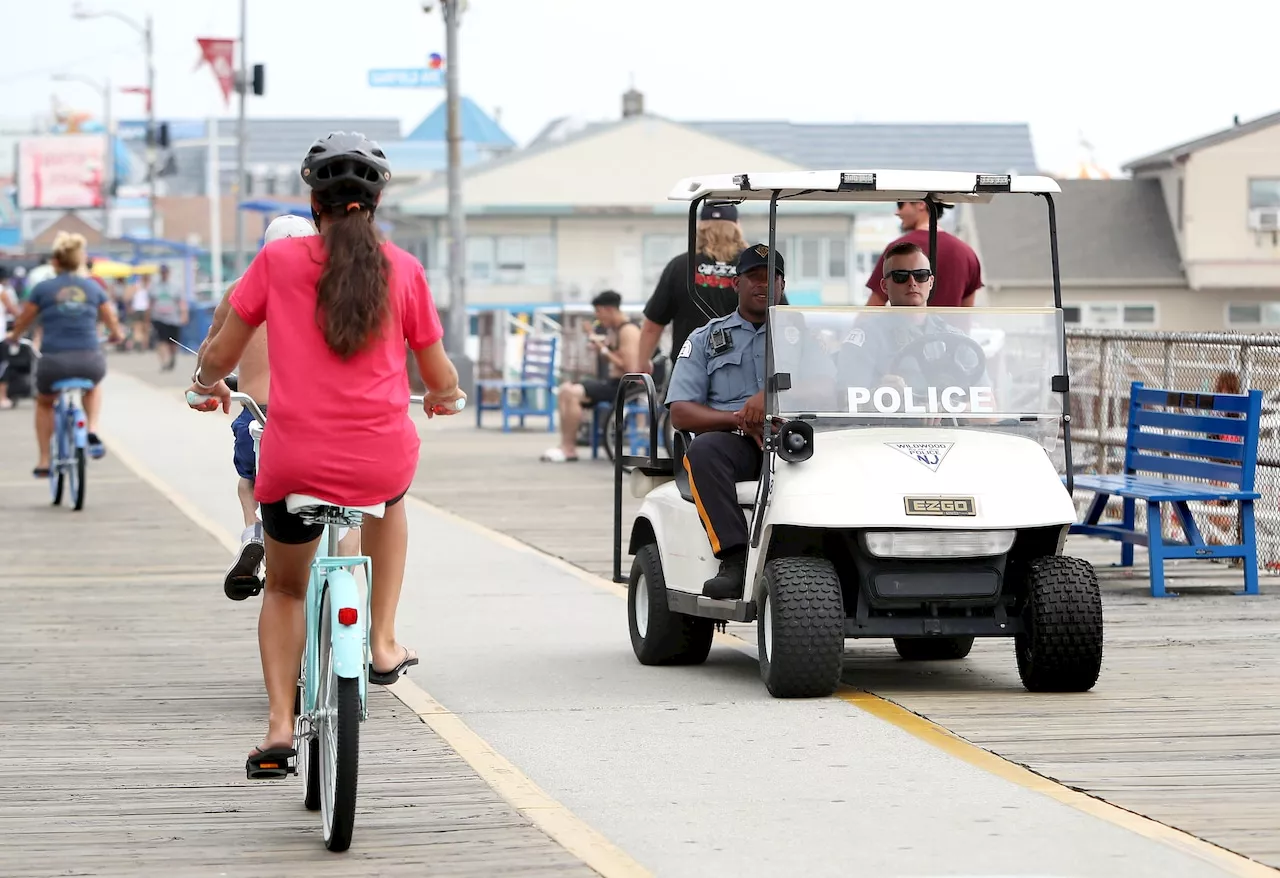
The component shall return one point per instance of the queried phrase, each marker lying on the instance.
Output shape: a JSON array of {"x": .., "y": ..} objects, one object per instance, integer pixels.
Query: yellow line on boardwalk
[
  {"x": 543, "y": 811},
  {"x": 935, "y": 735}
]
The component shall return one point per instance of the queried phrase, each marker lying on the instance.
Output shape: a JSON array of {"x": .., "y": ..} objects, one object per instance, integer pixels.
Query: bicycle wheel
[
  {"x": 57, "y": 476},
  {"x": 75, "y": 474},
  {"x": 338, "y": 727},
  {"x": 307, "y": 743}
]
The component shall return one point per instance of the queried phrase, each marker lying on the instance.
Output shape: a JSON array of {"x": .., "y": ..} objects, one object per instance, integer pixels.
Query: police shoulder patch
[
  {"x": 685, "y": 349},
  {"x": 855, "y": 337}
]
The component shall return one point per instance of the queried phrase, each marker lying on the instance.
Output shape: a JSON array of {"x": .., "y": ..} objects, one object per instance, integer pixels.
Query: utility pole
[
  {"x": 153, "y": 136},
  {"x": 242, "y": 138},
  {"x": 459, "y": 324}
]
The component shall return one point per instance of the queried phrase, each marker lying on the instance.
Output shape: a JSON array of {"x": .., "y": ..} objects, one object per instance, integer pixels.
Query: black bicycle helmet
[{"x": 344, "y": 167}]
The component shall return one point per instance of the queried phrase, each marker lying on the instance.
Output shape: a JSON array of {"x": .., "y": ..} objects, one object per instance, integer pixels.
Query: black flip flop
[
  {"x": 41, "y": 472},
  {"x": 270, "y": 764},
  {"x": 386, "y": 678}
]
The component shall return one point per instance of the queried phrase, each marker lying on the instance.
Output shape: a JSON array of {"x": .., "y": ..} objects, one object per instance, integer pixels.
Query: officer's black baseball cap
[
  {"x": 757, "y": 256},
  {"x": 712, "y": 211}
]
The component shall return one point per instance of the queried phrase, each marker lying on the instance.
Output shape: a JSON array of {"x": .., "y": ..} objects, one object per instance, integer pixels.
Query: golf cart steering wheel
[{"x": 946, "y": 368}]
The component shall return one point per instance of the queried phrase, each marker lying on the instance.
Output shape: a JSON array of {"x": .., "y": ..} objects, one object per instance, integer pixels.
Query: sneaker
[
  {"x": 557, "y": 455},
  {"x": 96, "y": 449},
  {"x": 242, "y": 579}
]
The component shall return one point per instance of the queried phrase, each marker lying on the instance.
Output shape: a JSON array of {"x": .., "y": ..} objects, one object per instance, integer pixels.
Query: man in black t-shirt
[{"x": 713, "y": 295}]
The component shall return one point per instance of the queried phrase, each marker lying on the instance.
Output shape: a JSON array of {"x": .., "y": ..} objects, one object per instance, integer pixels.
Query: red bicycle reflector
[
  {"x": 80, "y": 424},
  {"x": 347, "y": 616}
]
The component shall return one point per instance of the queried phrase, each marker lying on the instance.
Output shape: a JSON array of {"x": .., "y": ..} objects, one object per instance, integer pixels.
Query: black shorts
[
  {"x": 285, "y": 527},
  {"x": 61, "y": 365},
  {"x": 166, "y": 331},
  {"x": 601, "y": 390}
]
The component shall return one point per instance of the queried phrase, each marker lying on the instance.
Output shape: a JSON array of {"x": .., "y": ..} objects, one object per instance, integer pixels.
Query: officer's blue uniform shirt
[
  {"x": 724, "y": 378},
  {"x": 721, "y": 364}
]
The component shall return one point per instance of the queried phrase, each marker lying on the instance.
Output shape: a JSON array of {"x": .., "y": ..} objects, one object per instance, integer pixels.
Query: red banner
[{"x": 220, "y": 54}]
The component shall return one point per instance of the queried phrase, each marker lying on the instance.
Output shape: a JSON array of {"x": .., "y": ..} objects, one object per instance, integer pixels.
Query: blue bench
[
  {"x": 519, "y": 399},
  {"x": 1192, "y": 450}
]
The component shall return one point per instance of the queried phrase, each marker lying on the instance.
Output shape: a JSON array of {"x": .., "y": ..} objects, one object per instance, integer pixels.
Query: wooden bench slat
[
  {"x": 1155, "y": 488},
  {"x": 1213, "y": 448},
  {"x": 1218, "y": 402},
  {"x": 1182, "y": 466},
  {"x": 1191, "y": 423}
]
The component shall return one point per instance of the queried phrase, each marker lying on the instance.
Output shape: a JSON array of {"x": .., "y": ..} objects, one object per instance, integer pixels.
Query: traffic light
[
  {"x": 259, "y": 78},
  {"x": 158, "y": 136}
]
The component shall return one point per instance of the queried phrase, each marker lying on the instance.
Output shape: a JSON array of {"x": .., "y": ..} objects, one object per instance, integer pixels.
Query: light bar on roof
[
  {"x": 993, "y": 183},
  {"x": 857, "y": 181}
]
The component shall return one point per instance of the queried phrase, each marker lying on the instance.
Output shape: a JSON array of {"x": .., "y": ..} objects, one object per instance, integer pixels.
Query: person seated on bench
[
  {"x": 620, "y": 345},
  {"x": 717, "y": 392}
]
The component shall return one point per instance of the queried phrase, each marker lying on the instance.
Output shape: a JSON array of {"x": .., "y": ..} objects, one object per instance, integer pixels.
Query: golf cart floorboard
[{"x": 923, "y": 626}]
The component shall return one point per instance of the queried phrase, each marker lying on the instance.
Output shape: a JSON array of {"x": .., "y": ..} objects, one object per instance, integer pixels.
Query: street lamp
[
  {"x": 109, "y": 163},
  {"x": 78, "y": 11}
]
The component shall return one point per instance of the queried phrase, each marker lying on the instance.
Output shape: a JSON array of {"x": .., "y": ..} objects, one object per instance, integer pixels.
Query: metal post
[
  {"x": 213, "y": 167},
  {"x": 242, "y": 138},
  {"x": 153, "y": 146},
  {"x": 456, "y": 331},
  {"x": 109, "y": 169}
]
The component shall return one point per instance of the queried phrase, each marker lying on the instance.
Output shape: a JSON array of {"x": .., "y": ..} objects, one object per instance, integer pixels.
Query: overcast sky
[{"x": 1133, "y": 75}]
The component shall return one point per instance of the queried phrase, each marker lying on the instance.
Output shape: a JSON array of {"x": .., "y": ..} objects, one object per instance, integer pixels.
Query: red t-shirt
[
  {"x": 340, "y": 431},
  {"x": 957, "y": 273}
]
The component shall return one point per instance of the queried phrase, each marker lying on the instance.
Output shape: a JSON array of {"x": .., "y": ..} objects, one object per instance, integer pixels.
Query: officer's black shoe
[{"x": 727, "y": 584}]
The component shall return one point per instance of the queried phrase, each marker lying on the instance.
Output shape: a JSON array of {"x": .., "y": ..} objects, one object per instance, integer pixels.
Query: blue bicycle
[
  {"x": 69, "y": 446},
  {"x": 334, "y": 680}
]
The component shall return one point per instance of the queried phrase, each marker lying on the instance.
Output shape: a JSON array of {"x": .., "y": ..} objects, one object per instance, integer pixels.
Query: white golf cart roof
[{"x": 873, "y": 185}]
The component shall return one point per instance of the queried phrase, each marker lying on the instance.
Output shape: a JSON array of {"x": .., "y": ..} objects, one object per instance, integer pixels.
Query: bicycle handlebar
[{"x": 251, "y": 404}]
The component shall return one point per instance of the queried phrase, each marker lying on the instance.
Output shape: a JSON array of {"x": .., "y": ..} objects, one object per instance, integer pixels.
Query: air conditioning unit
[{"x": 1264, "y": 219}]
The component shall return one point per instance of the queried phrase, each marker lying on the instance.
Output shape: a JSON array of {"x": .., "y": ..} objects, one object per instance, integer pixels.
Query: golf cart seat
[{"x": 680, "y": 441}]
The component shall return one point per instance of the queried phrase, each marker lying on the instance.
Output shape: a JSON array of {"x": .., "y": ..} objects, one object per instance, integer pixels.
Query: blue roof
[
  {"x": 477, "y": 126},
  {"x": 416, "y": 156}
]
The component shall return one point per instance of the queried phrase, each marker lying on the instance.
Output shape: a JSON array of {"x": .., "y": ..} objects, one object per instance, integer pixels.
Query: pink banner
[{"x": 61, "y": 171}]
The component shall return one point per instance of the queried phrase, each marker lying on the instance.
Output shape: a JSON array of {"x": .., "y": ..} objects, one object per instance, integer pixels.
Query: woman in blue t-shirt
[{"x": 69, "y": 307}]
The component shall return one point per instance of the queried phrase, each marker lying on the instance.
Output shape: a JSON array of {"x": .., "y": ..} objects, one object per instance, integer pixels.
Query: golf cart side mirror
[{"x": 795, "y": 441}]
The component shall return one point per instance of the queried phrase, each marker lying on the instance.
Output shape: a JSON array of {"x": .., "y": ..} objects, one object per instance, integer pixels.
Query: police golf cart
[{"x": 907, "y": 489}]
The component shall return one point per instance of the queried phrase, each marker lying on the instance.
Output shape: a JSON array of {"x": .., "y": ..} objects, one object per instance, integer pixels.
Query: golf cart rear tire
[
  {"x": 802, "y": 602},
  {"x": 932, "y": 649},
  {"x": 1060, "y": 649},
  {"x": 670, "y": 638}
]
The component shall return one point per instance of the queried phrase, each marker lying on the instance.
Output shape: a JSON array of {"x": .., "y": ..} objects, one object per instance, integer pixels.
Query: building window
[
  {"x": 837, "y": 258},
  {"x": 511, "y": 259},
  {"x": 1264, "y": 203},
  {"x": 1253, "y": 314},
  {"x": 1102, "y": 315},
  {"x": 657, "y": 251}
]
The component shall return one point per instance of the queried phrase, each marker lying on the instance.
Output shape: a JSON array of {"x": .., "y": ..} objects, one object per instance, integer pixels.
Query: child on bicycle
[{"x": 339, "y": 426}]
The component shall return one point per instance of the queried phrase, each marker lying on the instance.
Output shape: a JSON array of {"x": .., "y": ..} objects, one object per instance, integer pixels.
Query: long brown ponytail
[{"x": 353, "y": 297}]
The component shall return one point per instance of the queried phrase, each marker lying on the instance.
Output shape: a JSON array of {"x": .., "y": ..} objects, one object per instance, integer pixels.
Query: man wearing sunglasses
[
  {"x": 869, "y": 358},
  {"x": 958, "y": 274}
]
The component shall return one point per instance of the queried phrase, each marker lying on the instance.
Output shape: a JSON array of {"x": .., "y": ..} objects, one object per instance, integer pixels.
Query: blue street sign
[{"x": 406, "y": 77}]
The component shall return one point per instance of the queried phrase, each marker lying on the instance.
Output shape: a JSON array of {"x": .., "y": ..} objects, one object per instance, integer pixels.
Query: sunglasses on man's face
[{"x": 921, "y": 275}]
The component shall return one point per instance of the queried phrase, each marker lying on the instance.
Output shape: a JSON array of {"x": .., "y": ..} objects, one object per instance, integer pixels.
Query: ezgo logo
[{"x": 940, "y": 506}]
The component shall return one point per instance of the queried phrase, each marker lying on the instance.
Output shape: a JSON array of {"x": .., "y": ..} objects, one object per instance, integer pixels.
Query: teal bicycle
[
  {"x": 333, "y": 685},
  {"x": 69, "y": 445}
]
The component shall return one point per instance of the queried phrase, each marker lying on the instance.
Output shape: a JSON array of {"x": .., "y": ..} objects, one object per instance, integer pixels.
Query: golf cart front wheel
[
  {"x": 932, "y": 649},
  {"x": 658, "y": 635},
  {"x": 1060, "y": 648},
  {"x": 801, "y": 628}
]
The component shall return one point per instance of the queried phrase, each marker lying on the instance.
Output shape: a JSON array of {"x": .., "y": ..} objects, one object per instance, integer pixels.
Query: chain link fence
[{"x": 1103, "y": 364}]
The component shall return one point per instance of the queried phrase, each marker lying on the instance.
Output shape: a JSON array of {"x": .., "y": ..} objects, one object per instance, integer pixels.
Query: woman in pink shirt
[{"x": 340, "y": 306}]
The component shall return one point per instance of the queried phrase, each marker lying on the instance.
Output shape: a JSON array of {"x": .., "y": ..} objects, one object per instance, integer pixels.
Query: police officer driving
[
  {"x": 912, "y": 349},
  {"x": 717, "y": 392}
]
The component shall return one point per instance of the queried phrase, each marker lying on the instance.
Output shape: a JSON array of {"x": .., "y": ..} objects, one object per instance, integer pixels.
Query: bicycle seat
[
  {"x": 73, "y": 384},
  {"x": 295, "y": 503}
]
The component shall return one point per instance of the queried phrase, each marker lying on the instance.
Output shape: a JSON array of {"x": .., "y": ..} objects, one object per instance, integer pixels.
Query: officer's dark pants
[{"x": 715, "y": 462}]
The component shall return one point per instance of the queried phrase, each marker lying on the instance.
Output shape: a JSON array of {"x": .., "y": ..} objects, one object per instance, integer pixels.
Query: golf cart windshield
[{"x": 910, "y": 367}]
